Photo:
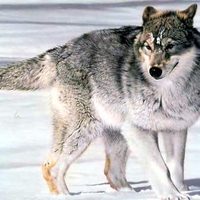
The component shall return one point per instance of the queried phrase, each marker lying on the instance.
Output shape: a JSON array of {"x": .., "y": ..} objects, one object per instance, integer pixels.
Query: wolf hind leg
[
  {"x": 55, "y": 167},
  {"x": 174, "y": 146},
  {"x": 117, "y": 153},
  {"x": 53, "y": 156},
  {"x": 70, "y": 140},
  {"x": 67, "y": 157}
]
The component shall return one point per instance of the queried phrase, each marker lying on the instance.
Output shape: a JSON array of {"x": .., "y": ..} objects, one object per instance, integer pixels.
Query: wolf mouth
[
  {"x": 174, "y": 67},
  {"x": 171, "y": 69}
]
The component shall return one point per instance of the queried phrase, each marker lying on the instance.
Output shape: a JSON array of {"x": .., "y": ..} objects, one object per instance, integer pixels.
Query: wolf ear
[
  {"x": 188, "y": 14},
  {"x": 148, "y": 12}
]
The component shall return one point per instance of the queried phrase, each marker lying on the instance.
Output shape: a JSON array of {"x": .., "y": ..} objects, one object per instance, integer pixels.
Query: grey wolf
[{"x": 127, "y": 85}]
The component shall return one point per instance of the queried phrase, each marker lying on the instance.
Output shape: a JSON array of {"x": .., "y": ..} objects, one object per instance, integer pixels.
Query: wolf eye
[
  {"x": 169, "y": 47},
  {"x": 148, "y": 47}
]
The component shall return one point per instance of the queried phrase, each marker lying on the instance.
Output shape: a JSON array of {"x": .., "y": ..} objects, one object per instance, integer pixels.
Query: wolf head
[{"x": 166, "y": 42}]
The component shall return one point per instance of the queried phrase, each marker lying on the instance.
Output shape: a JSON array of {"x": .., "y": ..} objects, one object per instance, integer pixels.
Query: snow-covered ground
[{"x": 27, "y": 29}]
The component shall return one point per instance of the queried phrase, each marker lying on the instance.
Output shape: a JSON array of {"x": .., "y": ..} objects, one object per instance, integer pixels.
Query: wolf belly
[{"x": 110, "y": 115}]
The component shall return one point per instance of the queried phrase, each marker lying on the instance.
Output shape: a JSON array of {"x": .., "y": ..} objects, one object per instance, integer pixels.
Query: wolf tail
[{"x": 32, "y": 74}]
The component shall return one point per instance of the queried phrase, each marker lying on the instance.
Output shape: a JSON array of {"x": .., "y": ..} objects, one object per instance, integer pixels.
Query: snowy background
[{"x": 28, "y": 28}]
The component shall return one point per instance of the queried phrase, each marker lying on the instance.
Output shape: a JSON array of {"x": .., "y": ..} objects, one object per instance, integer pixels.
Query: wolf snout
[{"x": 155, "y": 72}]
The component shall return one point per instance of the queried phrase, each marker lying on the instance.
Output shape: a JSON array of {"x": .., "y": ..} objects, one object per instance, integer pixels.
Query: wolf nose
[{"x": 155, "y": 72}]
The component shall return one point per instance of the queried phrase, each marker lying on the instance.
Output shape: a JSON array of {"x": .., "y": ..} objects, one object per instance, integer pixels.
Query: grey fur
[{"x": 101, "y": 87}]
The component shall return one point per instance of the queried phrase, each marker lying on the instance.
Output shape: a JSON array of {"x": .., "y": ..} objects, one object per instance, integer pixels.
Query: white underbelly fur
[{"x": 107, "y": 114}]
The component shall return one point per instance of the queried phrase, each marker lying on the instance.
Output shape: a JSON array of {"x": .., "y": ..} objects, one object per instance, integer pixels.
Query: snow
[
  {"x": 25, "y": 117},
  {"x": 61, "y": 1}
]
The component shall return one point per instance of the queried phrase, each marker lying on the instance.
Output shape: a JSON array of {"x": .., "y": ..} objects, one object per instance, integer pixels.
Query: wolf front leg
[
  {"x": 174, "y": 144},
  {"x": 117, "y": 153},
  {"x": 145, "y": 146}
]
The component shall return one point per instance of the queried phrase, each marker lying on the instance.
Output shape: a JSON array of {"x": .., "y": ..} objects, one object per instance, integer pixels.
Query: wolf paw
[
  {"x": 46, "y": 167},
  {"x": 119, "y": 184},
  {"x": 128, "y": 188},
  {"x": 176, "y": 197},
  {"x": 183, "y": 188},
  {"x": 180, "y": 185}
]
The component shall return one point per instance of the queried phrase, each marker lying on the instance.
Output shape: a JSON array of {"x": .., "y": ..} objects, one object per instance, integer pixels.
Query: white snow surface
[{"x": 25, "y": 117}]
